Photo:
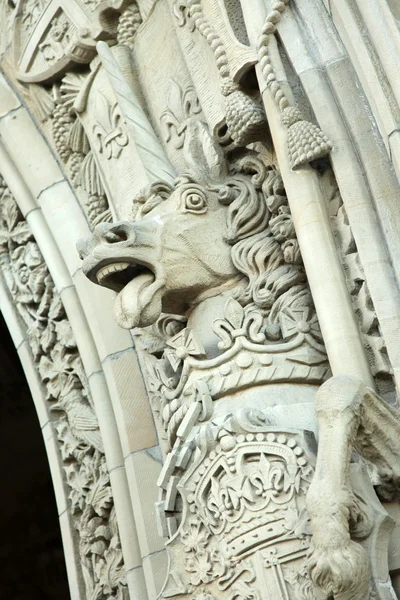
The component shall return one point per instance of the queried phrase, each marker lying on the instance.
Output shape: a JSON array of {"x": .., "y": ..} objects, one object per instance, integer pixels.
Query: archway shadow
[{"x": 32, "y": 565}]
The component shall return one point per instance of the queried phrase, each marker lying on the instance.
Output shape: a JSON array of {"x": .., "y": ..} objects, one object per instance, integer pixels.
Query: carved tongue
[{"x": 139, "y": 303}]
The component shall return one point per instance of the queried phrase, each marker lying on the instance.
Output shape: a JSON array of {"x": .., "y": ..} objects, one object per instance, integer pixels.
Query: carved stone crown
[{"x": 248, "y": 359}]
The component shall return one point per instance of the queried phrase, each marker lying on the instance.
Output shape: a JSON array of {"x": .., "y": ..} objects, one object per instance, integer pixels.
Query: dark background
[{"x": 32, "y": 563}]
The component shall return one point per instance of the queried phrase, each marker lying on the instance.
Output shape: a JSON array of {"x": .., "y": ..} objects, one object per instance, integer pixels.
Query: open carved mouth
[
  {"x": 117, "y": 275},
  {"x": 140, "y": 291}
]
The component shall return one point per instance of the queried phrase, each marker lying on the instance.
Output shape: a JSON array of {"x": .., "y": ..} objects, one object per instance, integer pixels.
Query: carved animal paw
[{"x": 340, "y": 571}]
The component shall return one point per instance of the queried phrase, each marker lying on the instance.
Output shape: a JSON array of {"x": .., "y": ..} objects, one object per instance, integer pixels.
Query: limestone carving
[
  {"x": 212, "y": 150},
  {"x": 350, "y": 416},
  {"x": 146, "y": 141},
  {"x": 183, "y": 106},
  {"x": 244, "y": 118},
  {"x": 361, "y": 297},
  {"x": 306, "y": 142},
  {"x": 128, "y": 24},
  {"x": 110, "y": 138},
  {"x": 52, "y": 35},
  {"x": 243, "y": 266},
  {"x": 259, "y": 268},
  {"x": 251, "y": 486},
  {"x": 74, "y": 420},
  {"x": 63, "y": 42}
]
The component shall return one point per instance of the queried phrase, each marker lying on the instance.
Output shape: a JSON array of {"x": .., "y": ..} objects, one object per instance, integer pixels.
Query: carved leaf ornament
[
  {"x": 74, "y": 420},
  {"x": 233, "y": 486},
  {"x": 236, "y": 324}
]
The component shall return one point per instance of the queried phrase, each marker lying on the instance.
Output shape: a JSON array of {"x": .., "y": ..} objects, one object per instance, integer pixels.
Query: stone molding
[{"x": 231, "y": 169}]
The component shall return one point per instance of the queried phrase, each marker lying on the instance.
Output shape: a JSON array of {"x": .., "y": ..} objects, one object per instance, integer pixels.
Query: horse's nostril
[{"x": 116, "y": 235}]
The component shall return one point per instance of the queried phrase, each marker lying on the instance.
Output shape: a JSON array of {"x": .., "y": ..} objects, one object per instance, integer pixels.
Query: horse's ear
[{"x": 203, "y": 154}]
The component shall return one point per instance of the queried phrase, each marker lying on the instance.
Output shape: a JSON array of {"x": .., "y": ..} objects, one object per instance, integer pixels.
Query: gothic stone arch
[{"x": 229, "y": 171}]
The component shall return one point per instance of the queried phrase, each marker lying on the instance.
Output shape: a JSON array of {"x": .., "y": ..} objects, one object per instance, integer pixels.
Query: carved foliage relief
[
  {"x": 210, "y": 278},
  {"x": 70, "y": 405}
]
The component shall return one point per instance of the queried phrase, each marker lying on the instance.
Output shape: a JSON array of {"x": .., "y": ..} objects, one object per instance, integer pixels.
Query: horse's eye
[{"x": 194, "y": 200}]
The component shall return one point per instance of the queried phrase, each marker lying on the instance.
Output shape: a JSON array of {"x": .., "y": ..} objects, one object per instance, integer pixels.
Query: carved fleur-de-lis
[
  {"x": 110, "y": 136},
  {"x": 238, "y": 323},
  {"x": 183, "y": 344},
  {"x": 182, "y": 106}
]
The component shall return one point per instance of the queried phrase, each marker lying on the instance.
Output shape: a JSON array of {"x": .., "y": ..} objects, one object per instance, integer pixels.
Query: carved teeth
[{"x": 108, "y": 269}]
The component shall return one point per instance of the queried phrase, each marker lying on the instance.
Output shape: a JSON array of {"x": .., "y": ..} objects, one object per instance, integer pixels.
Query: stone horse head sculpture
[
  {"x": 235, "y": 392},
  {"x": 195, "y": 240}
]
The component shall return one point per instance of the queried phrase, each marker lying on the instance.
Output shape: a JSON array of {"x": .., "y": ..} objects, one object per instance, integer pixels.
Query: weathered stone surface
[{"x": 229, "y": 170}]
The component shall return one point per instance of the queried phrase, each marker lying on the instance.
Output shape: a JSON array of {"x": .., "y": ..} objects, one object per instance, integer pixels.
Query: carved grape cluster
[
  {"x": 62, "y": 121},
  {"x": 128, "y": 25}
]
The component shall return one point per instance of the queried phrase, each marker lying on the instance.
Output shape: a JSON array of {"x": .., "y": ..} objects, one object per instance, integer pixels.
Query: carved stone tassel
[
  {"x": 305, "y": 140},
  {"x": 245, "y": 118}
]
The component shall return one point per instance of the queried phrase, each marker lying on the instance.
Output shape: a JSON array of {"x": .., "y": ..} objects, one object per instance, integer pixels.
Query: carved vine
[{"x": 74, "y": 420}]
